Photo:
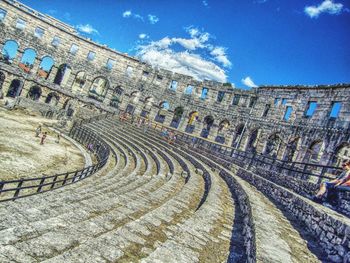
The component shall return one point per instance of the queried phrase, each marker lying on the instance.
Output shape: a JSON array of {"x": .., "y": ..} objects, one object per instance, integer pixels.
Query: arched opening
[
  {"x": 99, "y": 88},
  {"x": 27, "y": 60},
  {"x": 52, "y": 98},
  {"x": 178, "y": 112},
  {"x": 192, "y": 119},
  {"x": 15, "y": 88},
  {"x": 45, "y": 67},
  {"x": 237, "y": 136},
  {"x": 273, "y": 144},
  {"x": 34, "y": 93},
  {"x": 79, "y": 82},
  {"x": 208, "y": 123},
  {"x": 341, "y": 154},
  {"x": 292, "y": 149},
  {"x": 9, "y": 51},
  {"x": 164, "y": 106},
  {"x": 252, "y": 141},
  {"x": 68, "y": 107},
  {"x": 117, "y": 97},
  {"x": 62, "y": 75}
]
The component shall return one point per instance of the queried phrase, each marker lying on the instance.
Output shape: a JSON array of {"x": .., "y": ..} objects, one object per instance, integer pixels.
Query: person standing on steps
[{"x": 43, "y": 137}]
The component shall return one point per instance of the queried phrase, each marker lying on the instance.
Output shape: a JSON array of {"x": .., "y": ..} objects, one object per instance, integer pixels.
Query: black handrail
[{"x": 19, "y": 188}]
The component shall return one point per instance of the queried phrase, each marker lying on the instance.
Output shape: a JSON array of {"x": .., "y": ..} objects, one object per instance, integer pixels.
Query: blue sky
[{"x": 246, "y": 42}]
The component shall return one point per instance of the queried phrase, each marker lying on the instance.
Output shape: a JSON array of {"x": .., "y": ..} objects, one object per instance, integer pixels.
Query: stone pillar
[
  {"x": 229, "y": 139},
  {"x": 36, "y": 66},
  {"x": 70, "y": 81},
  {"x": 183, "y": 124},
  {"x": 168, "y": 119},
  {"x": 198, "y": 127},
  {"x": 244, "y": 141},
  {"x": 85, "y": 89},
  {"x": 53, "y": 73},
  {"x": 213, "y": 132},
  {"x": 18, "y": 57}
]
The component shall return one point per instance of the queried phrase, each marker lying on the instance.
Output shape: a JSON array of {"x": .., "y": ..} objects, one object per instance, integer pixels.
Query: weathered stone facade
[{"x": 275, "y": 120}]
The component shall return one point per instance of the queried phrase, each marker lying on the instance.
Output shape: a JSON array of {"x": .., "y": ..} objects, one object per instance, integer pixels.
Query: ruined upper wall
[{"x": 150, "y": 82}]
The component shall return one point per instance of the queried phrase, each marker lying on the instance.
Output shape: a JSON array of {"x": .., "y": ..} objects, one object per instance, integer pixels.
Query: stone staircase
[{"x": 155, "y": 202}]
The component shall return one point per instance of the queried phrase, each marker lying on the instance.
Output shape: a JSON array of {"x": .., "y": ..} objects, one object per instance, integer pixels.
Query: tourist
[
  {"x": 43, "y": 137},
  {"x": 38, "y": 131},
  {"x": 58, "y": 138},
  {"x": 342, "y": 180}
]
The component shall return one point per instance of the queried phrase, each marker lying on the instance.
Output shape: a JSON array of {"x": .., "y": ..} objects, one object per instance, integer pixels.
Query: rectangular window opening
[
  {"x": 311, "y": 107},
  {"x": 252, "y": 102},
  {"x": 110, "y": 63},
  {"x": 336, "y": 106},
  {"x": 91, "y": 55},
  {"x": 21, "y": 24},
  {"x": 236, "y": 99},
  {"x": 188, "y": 90},
  {"x": 266, "y": 111},
  {"x": 74, "y": 49},
  {"x": 39, "y": 32},
  {"x": 204, "y": 94},
  {"x": 2, "y": 14},
  {"x": 221, "y": 96},
  {"x": 284, "y": 101},
  {"x": 276, "y": 101},
  {"x": 288, "y": 113},
  {"x": 173, "y": 85},
  {"x": 56, "y": 41}
]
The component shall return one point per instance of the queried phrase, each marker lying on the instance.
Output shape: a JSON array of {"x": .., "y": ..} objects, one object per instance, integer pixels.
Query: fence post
[
  {"x": 15, "y": 196},
  {"x": 40, "y": 184},
  {"x": 53, "y": 182}
]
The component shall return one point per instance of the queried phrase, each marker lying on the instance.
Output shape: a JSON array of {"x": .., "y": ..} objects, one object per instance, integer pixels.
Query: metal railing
[
  {"x": 306, "y": 171},
  {"x": 19, "y": 188}
]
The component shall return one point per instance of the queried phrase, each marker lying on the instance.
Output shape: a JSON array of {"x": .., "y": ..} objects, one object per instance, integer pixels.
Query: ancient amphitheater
[{"x": 235, "y": 186}]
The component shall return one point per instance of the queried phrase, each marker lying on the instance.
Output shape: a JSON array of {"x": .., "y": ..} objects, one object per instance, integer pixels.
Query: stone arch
[
  {"x": 15, "y": 88},
  {"x": 208, "y": 122},
  {"x": 135, "y": 97},
  {"x": 341, "y": 154},
  {"x": 45, "y": 67},
  {"x": 68, "y": 107},
  {"x": 178, "y": 112},
  {"x": 117, "y": 97},
  {"x": 28, "y": 59},
  {"x": 253, "y": 139},
  {"x": 9, "y": 50},
  {"x": 273, "y": 144},
  {"x": 314, "y": 151},
  {"x": 99, "y": 88},
  {"x": 34, "y": 93},
  {"x": 164, "y": 107},
  {"x": 79, "y": 82},
  {"x": 52, "y": 98},
  {"x": 62, "y": 75},
  {"x": 148, "y": 103}
]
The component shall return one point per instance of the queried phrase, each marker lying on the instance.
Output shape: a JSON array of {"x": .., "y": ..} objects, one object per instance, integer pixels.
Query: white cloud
[
  {"x": 127, "y": 13},
  {"x": 249, "y": 82},
  {"x": 200, "y": 66},
  {"x": 220, "y": 56},
  {"x": 205, "y": 3},
  {"x": 327, "y": 6},
  {"x": 143, "y": 36},
  {"x": 88, "y": 29},
  {"x": 153, "y": 19}
]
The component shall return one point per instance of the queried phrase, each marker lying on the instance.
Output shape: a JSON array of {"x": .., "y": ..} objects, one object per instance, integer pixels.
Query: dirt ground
[{"x": 22, "y": 156}]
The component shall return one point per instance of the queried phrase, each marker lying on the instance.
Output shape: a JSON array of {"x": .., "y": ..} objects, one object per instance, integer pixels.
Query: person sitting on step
[{"x": 343, "y": 180}]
